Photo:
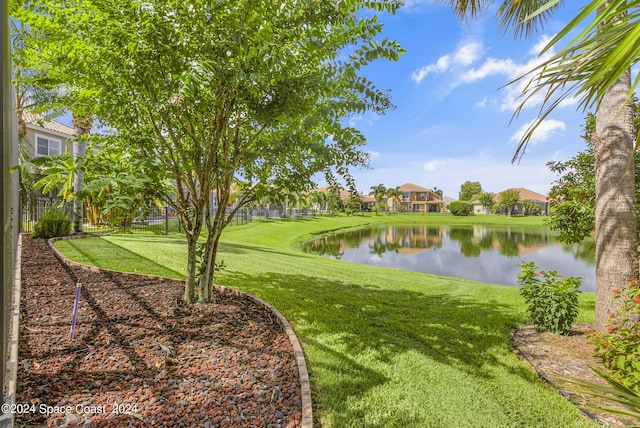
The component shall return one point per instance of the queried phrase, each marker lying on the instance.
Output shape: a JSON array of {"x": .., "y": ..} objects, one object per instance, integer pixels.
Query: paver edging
[{"x": 303, "y": 373}]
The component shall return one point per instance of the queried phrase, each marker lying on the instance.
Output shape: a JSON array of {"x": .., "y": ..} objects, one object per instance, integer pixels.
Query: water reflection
[{"x": 482, "y": 253}]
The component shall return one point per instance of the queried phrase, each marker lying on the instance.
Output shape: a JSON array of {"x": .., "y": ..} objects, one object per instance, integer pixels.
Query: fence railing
[{"x": 156, "y": 221}]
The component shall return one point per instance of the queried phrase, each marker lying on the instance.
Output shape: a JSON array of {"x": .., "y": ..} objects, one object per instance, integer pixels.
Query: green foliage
[
  {"x": 352, "y": 204},
  {"x": 56, "y": 171},
  {"x": 486, "y": 199},
  {"x": 572, "y": 196},
  {"x": 379, "y": 193},
  {"x": 468, "y": 189},
  {"x": 529, "y": 207},
  {"x": 508, "y": 200},
  {"x": 619, "y": 348},
  {"x": 54, "y": 222},
  {"x": 461, "y": 208},
  {"x": 552, "y": 302},
  {"x": 615, "y": 392}
]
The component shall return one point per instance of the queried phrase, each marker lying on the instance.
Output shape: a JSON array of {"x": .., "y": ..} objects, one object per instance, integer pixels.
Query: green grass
[{"x": 385, "y": 347}]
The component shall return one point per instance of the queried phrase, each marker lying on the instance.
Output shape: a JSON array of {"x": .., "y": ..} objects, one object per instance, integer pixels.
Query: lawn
[{"x": 385, "y": 347}]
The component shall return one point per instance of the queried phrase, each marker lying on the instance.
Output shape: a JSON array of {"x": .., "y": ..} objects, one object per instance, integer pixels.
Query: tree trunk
[
  {"x": 190, "y": 282},
  {"x": 616, "y": 239}
]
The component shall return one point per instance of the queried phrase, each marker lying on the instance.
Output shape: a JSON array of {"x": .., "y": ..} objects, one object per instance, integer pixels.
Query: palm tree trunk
[
  {"x": 82, "y": 126},
  {"x": 616, "y": 239}
]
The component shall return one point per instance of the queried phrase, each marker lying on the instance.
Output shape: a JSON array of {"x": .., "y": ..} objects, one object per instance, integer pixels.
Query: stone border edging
[
  {"x": 11, "y": 381},
  {"x": 303, "y": 374}
]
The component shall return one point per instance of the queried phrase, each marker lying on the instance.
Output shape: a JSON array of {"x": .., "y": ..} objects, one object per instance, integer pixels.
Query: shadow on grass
[
  {"x": 344, "y": 321},
  {"x": 123, "y": 258},
  {"x": 226, "y": 247}
]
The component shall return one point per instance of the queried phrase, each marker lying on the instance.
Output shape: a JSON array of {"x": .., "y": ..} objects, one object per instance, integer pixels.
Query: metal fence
[{"x": 154, "y": 221}]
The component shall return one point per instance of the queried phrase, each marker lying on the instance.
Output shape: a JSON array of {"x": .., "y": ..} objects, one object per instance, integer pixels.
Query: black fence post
[{"x": 166, "y": 219}]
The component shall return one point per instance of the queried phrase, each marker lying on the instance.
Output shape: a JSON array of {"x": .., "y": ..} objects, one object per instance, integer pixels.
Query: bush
[
  {"x": 620, "y": 347},
  {"x": 552, "y": 301},
  {"x": 461, "y": 208},
  {"x": 54, "y": 222}
]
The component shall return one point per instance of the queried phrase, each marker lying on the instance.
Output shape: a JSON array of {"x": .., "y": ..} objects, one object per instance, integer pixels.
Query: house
[
  {"x": 46, "y": 136},
  {"x": 541, "y": 201},
  {"x": 416, "y": 198}
]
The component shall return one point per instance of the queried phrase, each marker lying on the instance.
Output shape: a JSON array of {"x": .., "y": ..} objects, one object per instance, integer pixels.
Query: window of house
[{"x": 47, "y": 146}]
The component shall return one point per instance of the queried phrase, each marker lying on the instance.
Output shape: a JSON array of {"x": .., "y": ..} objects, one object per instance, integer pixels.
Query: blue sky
[{"x": 452, "y": 121}]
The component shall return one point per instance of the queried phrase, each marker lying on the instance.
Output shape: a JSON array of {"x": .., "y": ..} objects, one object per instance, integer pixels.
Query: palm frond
[
  {"x": 590, "y": 64},
  {"x": 525, "y": 17},
  {"x": 616, "y": 392}
]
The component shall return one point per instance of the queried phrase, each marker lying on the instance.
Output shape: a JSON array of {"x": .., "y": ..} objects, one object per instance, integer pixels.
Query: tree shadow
[
  {"x": 447, "y": 329},
  {"x": 124, "y": 256}
]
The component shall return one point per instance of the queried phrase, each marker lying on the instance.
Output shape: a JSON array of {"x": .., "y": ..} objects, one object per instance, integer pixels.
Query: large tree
[
  {"x": 234, "y": 98},
  {"x": 469, "y": 189},
  {"x": 595, "y": 66}
]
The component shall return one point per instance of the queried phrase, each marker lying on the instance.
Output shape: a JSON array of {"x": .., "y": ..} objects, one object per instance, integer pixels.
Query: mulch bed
[{"x": 140, "y": 358}]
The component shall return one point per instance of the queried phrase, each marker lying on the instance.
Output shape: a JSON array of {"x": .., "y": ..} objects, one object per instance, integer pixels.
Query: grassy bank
[{"x": 385, "y": 347}]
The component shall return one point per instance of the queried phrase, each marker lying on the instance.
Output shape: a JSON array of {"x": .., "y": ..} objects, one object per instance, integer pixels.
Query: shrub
[
  {"x": 461, "y": 208},
  {"x": 552, "y": 301},
  {"x": 54, "y": 222},
  {"x": 620, "y": 347}
]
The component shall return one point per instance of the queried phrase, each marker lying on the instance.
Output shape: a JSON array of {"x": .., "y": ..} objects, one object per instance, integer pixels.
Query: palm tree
[
  {"x": 318, "y": 199},
  {"x": 378, "y": 192},
  {"x": 591, "y": 66},
  {"x": 82, "y": 124},
  {"x": 395, "y": 194}
]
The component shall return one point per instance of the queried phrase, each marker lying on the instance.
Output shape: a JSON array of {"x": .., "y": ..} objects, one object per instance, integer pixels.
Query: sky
[{"x": 453, "y": 116}]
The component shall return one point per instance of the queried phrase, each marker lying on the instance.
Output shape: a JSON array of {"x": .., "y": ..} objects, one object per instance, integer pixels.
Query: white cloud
[
  {"x": 433, "y": 165},
  {"x": 458, "y": 65},
  {"x": 466, "y": 55},
  {"x": 490, "y": 67},
  {"x": 542, "y": 43},
  {"x": 543, "y": 132}
]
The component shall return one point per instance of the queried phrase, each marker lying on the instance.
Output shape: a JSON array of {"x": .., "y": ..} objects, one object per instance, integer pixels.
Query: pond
[{"x": 481, "y": 253}]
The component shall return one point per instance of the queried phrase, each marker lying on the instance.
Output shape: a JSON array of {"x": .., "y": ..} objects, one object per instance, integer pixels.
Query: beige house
[
  {"x": 416, "y": 198},
  {"x": 47, "y": 137},
  {"x": 525, "y": 194}
]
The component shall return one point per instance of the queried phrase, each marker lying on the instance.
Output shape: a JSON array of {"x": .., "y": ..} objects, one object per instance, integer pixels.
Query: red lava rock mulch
[{"x": 140, "y": 358}]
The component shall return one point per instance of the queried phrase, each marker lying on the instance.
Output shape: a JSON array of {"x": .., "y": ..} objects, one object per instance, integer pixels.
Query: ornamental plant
[
  {"x": 552, "y": 301},
  {"x": 619, "y": 347},
  {"x": 54, "y": 222}
]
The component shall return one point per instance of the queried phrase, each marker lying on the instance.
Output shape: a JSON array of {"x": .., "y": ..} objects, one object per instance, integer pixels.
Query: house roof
[
  {"x": 524, "y": 194},
  {"x": 410, "y": 187},
  {"x": 40, "y": 121},
  {"x": 528, "y": 194},
  {"x": 344, "y": 194}
]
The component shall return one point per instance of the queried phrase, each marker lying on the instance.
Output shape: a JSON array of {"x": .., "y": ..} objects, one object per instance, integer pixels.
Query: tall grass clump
[{"x": 54, "y": 222}]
